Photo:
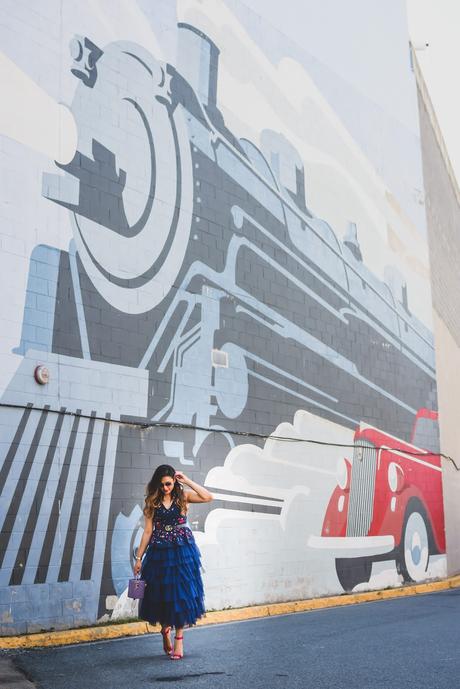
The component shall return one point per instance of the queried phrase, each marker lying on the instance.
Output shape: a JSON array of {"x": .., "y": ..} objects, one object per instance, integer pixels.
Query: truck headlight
[
  {"x": 395, "y": 477},
  {"x": 343, "y": 473}
]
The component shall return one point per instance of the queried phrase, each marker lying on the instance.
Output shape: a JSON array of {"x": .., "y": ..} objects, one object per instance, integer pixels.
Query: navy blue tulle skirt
[{"x": 174, "y": 593}]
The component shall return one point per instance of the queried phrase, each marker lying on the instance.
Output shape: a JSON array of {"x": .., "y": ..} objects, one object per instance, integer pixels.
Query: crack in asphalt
[{"x": 179, "y": 678}]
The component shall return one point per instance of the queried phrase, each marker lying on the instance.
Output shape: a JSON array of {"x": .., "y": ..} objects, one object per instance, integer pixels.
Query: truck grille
[{"x": 361, "y": 502}]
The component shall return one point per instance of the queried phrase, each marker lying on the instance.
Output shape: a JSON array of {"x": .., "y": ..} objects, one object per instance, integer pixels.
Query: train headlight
[
  {"x": 395, "y": 477},
  {"x": 132, "y": 220},
  {"x": 343, "y": 474}
]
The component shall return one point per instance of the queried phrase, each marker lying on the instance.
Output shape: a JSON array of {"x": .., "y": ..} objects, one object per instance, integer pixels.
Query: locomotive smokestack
[{"x": 198, "y": 59}]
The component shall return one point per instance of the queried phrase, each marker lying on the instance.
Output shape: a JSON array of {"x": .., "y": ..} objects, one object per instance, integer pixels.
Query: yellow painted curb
[{"x": 113, "y": 631}]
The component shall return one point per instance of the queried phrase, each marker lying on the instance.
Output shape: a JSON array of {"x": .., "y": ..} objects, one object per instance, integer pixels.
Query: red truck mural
[{"x": 387, "y": 504}]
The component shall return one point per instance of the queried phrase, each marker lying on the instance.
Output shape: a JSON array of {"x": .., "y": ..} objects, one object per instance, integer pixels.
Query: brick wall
[
  {"x": 442, "y": 200},
  {"x": 209, "y": 236}
]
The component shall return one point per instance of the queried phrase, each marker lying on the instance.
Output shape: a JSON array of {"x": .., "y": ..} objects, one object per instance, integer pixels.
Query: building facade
[{"x": 214, "y": 255}]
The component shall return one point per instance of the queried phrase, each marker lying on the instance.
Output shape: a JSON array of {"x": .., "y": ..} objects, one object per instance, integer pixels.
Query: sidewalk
[{"x": 113, "y": 631}]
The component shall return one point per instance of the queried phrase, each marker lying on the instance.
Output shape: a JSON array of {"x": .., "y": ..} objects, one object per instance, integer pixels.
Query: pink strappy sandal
[{"x": 177, "y": 656}]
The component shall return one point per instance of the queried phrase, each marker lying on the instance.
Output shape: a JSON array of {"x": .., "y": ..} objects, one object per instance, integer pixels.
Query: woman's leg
[
  {"x": 165, "y": 633},
  {"x": 178, "y": 643}
]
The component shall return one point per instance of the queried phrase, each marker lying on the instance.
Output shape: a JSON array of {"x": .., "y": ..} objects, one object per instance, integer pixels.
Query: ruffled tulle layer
[{"x": 174, "y": 593}]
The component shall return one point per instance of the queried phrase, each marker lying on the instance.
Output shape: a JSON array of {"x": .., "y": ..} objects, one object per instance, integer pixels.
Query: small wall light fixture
[{"x": 42, "y": 374}]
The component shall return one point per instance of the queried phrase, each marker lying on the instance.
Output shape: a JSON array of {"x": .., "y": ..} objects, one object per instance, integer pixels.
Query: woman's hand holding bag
[{"x": 136, "y": 586}]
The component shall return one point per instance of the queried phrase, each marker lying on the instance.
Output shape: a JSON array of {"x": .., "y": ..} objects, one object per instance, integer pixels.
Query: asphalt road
[{"x": 407, "y": 643}]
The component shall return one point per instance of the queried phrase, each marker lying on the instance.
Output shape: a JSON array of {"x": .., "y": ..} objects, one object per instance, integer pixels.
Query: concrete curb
[{"x": 114, "y": 631}]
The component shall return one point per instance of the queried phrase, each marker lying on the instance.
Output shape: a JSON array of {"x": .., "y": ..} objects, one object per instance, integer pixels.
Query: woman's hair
[{"x": 154, "y": 496}]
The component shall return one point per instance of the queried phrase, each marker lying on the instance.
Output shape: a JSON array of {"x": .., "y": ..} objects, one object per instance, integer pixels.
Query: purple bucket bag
[{"x": 136, "y": 588}]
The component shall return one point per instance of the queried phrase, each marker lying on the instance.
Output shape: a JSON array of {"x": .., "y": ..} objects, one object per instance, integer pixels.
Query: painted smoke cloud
[{"x": 270, "y": 552}]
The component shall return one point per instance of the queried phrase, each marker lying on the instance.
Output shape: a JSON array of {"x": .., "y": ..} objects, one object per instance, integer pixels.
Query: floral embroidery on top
[{"x": 170, "y": 527}]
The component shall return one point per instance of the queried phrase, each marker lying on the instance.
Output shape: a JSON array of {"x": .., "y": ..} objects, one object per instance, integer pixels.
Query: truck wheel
[
  {"x": 414, "y": 550},
  {"x": 352, "y": 571}
]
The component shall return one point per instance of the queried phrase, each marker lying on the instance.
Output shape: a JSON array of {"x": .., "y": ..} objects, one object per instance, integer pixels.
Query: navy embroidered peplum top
[{"x": 170, "y": 527}]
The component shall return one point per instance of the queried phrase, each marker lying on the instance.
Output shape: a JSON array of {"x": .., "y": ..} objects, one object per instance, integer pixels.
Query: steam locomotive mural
[{"x": 200, "y": 289}]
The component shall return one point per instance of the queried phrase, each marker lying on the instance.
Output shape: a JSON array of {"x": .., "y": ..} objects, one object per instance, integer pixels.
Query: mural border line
[{"x": 114, "y": 631}]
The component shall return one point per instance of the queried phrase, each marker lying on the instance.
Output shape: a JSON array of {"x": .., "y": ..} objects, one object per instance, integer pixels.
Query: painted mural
[{"x": 199, "y": 298}]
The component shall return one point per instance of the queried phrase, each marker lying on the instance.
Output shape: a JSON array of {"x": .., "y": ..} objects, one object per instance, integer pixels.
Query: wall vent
[{"x": 219, "y": 358}]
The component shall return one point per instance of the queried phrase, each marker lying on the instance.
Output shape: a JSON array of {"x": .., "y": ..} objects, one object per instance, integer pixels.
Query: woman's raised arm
[{"x": 199, "y": 494}]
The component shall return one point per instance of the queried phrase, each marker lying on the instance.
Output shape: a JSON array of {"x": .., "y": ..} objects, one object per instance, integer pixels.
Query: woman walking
[{"x": 171, "y": 568}]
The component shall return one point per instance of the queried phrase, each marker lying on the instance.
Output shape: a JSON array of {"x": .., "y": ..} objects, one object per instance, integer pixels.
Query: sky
[{"x": 437, "y": 22}]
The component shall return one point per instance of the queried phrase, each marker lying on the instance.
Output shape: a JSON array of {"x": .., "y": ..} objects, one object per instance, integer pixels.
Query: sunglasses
[{"x": 167, "y": 484}]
